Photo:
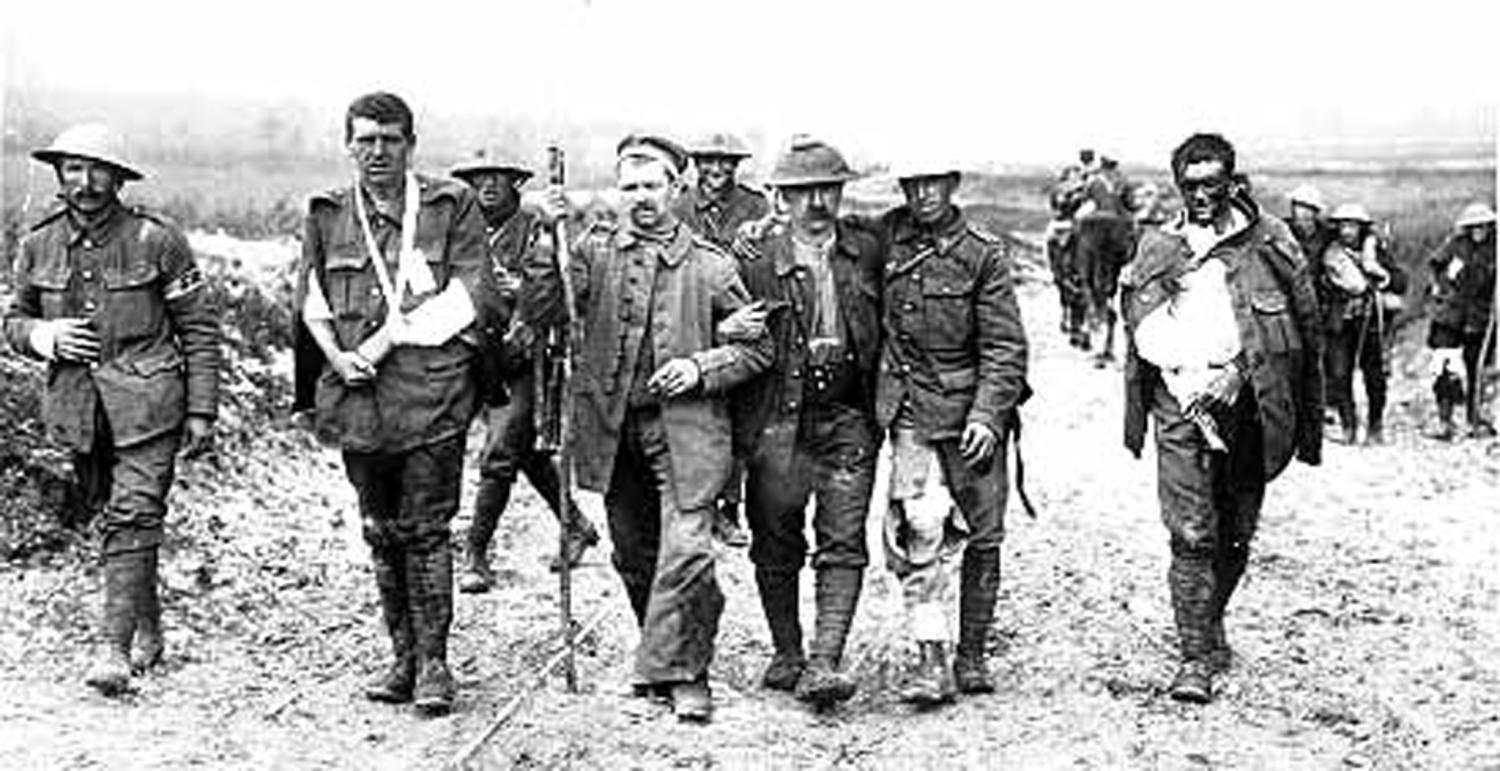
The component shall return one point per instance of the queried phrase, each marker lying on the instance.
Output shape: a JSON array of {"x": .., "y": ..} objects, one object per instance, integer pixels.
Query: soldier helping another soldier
[
  {"x": 952, "y": 373},
  {"x": 806, "y": 428}
]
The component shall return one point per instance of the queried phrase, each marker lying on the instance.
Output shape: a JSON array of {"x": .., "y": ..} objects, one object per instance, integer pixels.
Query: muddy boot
[
  {"x": 489, "y": 504},
  {"x": 1192, "y": 584},
  {"x": 932, "y": 682},
  {"x": 778, "y": 600},
  {"x": 394, "y": 686},
  {"x": 149, "y": 644},
  {"x": 979, "y": 584},
  {"x": 1229, "y": 567},
  {"x": 825, "y": 682},
  {"x": 1449, "y": 392},
  {"x": 110, "y": 670},
  {"x": 582, "y": 538},
  {"x": 430, "y": 577}
]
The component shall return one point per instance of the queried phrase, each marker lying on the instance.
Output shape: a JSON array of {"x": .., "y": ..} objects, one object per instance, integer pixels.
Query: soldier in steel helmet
[
  {"x": 1222, "y": 354},
  {"x": 652, "y": 428},
  {"x": 1357, "y": 276},
  {"x": 806, "y": 427},
  {"x": 952, "y": 374},
  {"x": 110, "y": 296},
  {"x": 514, "y": 235},
  {"x": 393, "y": 301},
  {"x": 1462, "y": 329},
  {"x": 715, "y": 208}
]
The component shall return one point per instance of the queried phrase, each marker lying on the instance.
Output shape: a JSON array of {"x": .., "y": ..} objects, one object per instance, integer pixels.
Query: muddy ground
[{"x": 1367, "y": 634}]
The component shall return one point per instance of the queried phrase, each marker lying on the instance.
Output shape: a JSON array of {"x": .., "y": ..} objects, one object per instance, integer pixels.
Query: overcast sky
[{"x": 978, "y": 81}]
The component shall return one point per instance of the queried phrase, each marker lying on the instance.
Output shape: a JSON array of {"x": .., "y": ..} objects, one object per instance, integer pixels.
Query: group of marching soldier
[
  {"x": 1361, "y": 289},
  {"x": 721, "y": 353}
]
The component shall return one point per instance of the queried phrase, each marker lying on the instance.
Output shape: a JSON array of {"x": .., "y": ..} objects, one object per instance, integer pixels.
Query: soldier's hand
[
  {"x": 553, "y": 205},
  {"x": 75, "y": 340},
  {"x": 977, "y": 444},
  {"x": 197, "y": 436},
  {"x": 674, "y": 378},
  {"x": 747, "y": 322},
  {"x": 352, "y": 368}
]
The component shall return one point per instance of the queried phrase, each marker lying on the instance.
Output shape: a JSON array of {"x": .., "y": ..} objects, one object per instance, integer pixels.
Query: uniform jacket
[
  {"x": 718, "y": 221},
  {"x": 777, "y": 397},
  {"x": 420, "y": 395},
  {"x": 521, "y": 238},
  {"x": 696, "y": 286},
  {"x": 1464, "y": 298},
  {"x": 953, "y": 341},
  {"x": 1276, "y": 312},
  {"x": 134, "y": 276}
]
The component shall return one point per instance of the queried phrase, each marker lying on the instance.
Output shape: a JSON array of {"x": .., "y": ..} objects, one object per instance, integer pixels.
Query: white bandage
[
  {"x": 437, "y": 320},
  {"x": 43, "y": 339}
]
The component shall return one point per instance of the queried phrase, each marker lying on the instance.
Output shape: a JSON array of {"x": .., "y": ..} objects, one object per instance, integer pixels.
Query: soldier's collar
[{"x": 101, "y": 230}]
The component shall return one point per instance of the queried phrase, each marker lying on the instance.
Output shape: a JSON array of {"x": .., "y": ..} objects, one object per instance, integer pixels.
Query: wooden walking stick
[{"x": 554, "y": 416}]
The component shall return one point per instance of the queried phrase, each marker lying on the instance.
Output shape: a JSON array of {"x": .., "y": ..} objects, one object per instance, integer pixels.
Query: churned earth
[{"x": 1367, "y": 634}]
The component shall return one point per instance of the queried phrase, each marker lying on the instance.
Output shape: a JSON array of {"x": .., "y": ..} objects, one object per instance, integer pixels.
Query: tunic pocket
[
  {"x": 134, "y": 306},
  {"x": 1274, "y": 322},
  {"x": 948, "y": 307}
]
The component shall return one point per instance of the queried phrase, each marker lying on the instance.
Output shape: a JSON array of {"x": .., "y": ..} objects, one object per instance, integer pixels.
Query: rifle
[{"x": 554, "y": 375}]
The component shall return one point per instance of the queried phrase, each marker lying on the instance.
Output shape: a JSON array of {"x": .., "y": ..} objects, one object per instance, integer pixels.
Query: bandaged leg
[{"x": 916, "y": 535}]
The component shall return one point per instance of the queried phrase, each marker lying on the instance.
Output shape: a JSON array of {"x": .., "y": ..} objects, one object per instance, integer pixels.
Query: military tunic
[{"x": 134, "y": 277}]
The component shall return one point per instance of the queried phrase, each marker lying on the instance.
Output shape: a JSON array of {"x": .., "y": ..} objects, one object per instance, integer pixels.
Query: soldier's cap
[
  {"x": 1475, "y": 214},
  {"x": 1351, "y": 212},
  {"x": 94, "y": 141},
  {"x": 718, "y": 144},
  {"x": 655, "y": 147},
  {"x": 809, "y": 161},
  {"x": 494, "y": 160},
  {"x": 1307, "y": 195}
]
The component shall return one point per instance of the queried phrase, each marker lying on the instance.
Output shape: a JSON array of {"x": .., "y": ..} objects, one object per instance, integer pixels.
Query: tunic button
[
  {"x": 89, "y": 305},
  {"x": 374, "y": 291},
  {"x": 910, "y": 306},
  {"x": 88, "y": 275}
]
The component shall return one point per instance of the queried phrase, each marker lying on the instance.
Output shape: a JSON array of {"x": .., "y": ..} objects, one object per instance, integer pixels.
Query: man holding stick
[{"x": 651, "y": 429}]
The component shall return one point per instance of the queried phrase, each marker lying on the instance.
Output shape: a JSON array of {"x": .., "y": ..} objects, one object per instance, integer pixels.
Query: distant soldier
[
  {"x": 514, "y": 236},
  {"x": 715, "y": 208},
  {"x": 653, "y": 429},
  {"x": 806, "y": 428},
  {"x": 1065, "y": 198},
  {"x": 1463, "y": 321},
  {"x": 110, "y": 296},
  {"x": 1223, "y": 355},
  {"x": 1104, "y": 233},
  {"x": 1357, "y": 272},
  {"x": 1305, "y": 219},
  {"x": 952, "y": 374},
  {"x": 393, "y": 283}
]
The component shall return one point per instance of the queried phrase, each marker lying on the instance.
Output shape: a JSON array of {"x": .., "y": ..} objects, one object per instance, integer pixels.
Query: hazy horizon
[{"x": 1290, "y": 82}]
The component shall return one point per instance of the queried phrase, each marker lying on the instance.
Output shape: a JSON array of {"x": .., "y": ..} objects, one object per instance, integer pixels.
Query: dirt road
[{"x": 1367, "y": 634}]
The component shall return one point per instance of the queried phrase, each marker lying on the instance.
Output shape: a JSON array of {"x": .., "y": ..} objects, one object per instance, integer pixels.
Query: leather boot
[
  {"x": 1191, "y": 580},
  {"x": 394, "y": 686},
  {"x": 979, "y": 584},
  {"x": 581, "y": 538},
  {"x": 149, "y": 643},
  {"x": 430, "y": 577},
  {"x": 826, "y": 682},
  {"x": 778, "y": 591},
  {"x": 489, "y": 503},
  {"x": 932, "y": 682},
  {"x": 110, "y": 671},
  {"x": 1229, "y": 567}
]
